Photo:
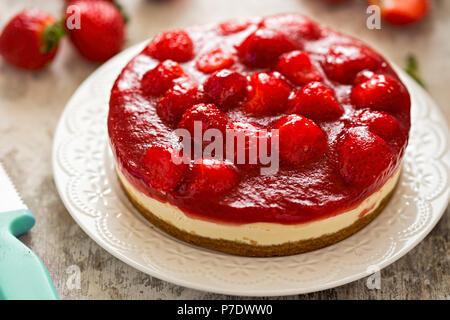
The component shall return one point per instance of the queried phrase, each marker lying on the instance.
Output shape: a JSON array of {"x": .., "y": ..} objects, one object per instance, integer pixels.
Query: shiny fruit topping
[
  {"x": 268, "y": 94},
  {"x": 364, "y": 157},
  {"x": 317, "y": 102},
  {"x": 381, "y": 123},
  {"x": 297, "y": 27},
  {"x": 301, "y": 140},
  {"x": 175, "y": 45},
  {"x": 381, "y": 92},
  {"x": 214, "y": 60},
  {"x": 208, "y": 115},
  {"x": 233, "y": 26},
  {"x": 158, "y": 80},
  {"x": 162, "y": 173},
  {"x": 212, "y": 177},
  {"x": 344, "y": 61},
  {"x": 226, "y": 88},
  {"x": 177, "y": 100},
  {"x": 297, "y": 67},
  {"x": 263, "y": 47}
]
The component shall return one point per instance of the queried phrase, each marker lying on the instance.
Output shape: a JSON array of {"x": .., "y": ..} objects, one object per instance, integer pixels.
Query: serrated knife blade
[{"x": 10, "y": 199}]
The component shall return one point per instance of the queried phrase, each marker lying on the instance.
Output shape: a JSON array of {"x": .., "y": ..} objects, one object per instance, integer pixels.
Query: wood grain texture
[{"x": 30, "y": 105}]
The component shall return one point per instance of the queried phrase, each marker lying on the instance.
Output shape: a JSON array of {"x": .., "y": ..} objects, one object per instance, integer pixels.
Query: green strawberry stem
[
  {"x": 52, "y": 34},
  {"x": 412, "y": 68},
  {"x": 125, "y": 16}
]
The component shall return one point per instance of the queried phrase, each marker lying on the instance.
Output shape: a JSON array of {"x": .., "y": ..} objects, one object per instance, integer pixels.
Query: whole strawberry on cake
[{"x": 334, "y": 110}]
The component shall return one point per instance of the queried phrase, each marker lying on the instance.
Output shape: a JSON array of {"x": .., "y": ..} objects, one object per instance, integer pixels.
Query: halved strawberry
[
  {"x": 344, "y": 61},
  {"x": 177, "y": 100},
  {"x": 208, "y": 115},
  {"x": 297, "y": 67},
  {"x": 175, "y": 45},
  {"x": 247, "y": 139},
  {"x": 381, "y": 123},
  {"x": 226, "y": 88},
  {"x": 233, "y": 26},
  {"x": 268, "y": 94},
  {"x": 364, "y": 157},
  {"x": 212, "y": 177},
  {"x": 316, "y": 101},
  {"x": 401, "y": 12},
  {"x": 214, "y": 60},
  {"x": 381, "y": 92},
  {"x": 263, "y": 47},
  {"x": 162, "y": 173},
  {"x": 301, "y": 140},
  {"x": 295, "y": 26},
  {"x": 161, "y": 78}
]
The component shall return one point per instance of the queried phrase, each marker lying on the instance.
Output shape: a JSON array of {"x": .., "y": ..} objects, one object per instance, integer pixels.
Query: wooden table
[{"x": 31, "y": 103}]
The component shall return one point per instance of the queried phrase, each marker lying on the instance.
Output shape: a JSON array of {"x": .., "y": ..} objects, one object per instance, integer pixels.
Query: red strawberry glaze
[{"x": 298, "y": 192}]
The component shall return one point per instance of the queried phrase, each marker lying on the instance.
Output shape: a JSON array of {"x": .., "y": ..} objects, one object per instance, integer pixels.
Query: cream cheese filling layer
[{"x": 261, "y": 233}]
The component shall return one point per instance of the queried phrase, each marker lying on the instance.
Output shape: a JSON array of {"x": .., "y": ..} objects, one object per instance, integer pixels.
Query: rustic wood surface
[{"x": 31, "y": 103}]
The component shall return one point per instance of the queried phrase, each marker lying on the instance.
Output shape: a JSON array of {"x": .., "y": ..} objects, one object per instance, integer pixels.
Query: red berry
[
  {"x": 208, "y": 115},
  {"x": 317, "y": 102},
  {"x": 344, "y": 61},
  {"x": 301, "y": 140},
  {"x": 162, "y": 173},
  {"x": 268, "y": 94},
  {"x": 401, "y": 12},
  {"x": 214, "y": 60},
  {"x": 297, "y": 27},
  {"x": 26, "y": 41},
  {"x": 364, "y": 157},
  {"x": 226, "y": 88},
  {"x": 212, "y": 177},
  {"x": 363, "y": 76},
  {"x": 246, "y": 136},
  {"x": 235, "y": 26},
  {"x": 381, "y": 123},
  {"x": 263, "y": 47},
  {"x": 161, "y": 78},
  {"x": 297, "y": 67},
  {"x": 381, "y": 92},
  {"x": 177, "y": 100},
  {"x": 101, "y": 32},
  {"x": 175, "y": 45}
]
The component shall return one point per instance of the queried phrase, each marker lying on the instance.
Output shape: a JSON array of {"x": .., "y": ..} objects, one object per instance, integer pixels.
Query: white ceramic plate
[{"x": 83, "y": 171}]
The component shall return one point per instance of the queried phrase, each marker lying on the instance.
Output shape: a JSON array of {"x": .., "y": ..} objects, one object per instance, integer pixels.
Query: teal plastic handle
[{"x": 23, "y": 276}]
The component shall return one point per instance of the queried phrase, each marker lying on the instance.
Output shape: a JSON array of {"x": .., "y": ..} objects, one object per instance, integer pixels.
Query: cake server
[{"x": 22, "y": 273}]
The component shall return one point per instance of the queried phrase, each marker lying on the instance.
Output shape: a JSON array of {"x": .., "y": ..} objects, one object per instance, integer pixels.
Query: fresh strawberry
[
  {"x": 297, "y": 67},
  {"x": 175, "y": 45},
  {"x": 301, "y": 140},
  {"x": 101, "y": 32},
  {"x": 364, "y": 157},
  {"x": 30, "y": 39},
  {"x": 268, "y": 94},
  {"x": 401, "y": 12},
  {"x": 161, "y": 78},
  {"x": 363, "y": 76},
  {"x": 247, "y": 139},
  {"x": 297, "y": 27},
  {"x": 344, "y": 61},
  {"x": 381, "y": 123},
  {"x": 211, "y": 177},
  {"x": 263, "y": 47},
  {"x": 214, "y": 60},
  {"x": 177, "y": 100},
  {"x": 317, "y": 102},
  {"x": 162, "y": 173},
  {"x": 381, "y": 92},
  {"x": 226, "y": 88},
  {"x": 208, "y": 115},
  {"x": 234, "y": 26}
]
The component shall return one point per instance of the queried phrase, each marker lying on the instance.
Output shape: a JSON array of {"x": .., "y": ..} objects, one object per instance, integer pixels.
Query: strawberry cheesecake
[{"x": 332, "y": 111}]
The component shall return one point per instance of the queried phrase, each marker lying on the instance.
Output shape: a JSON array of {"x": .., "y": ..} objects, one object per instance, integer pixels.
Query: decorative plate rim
[{"x": 67, "y": 174}]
